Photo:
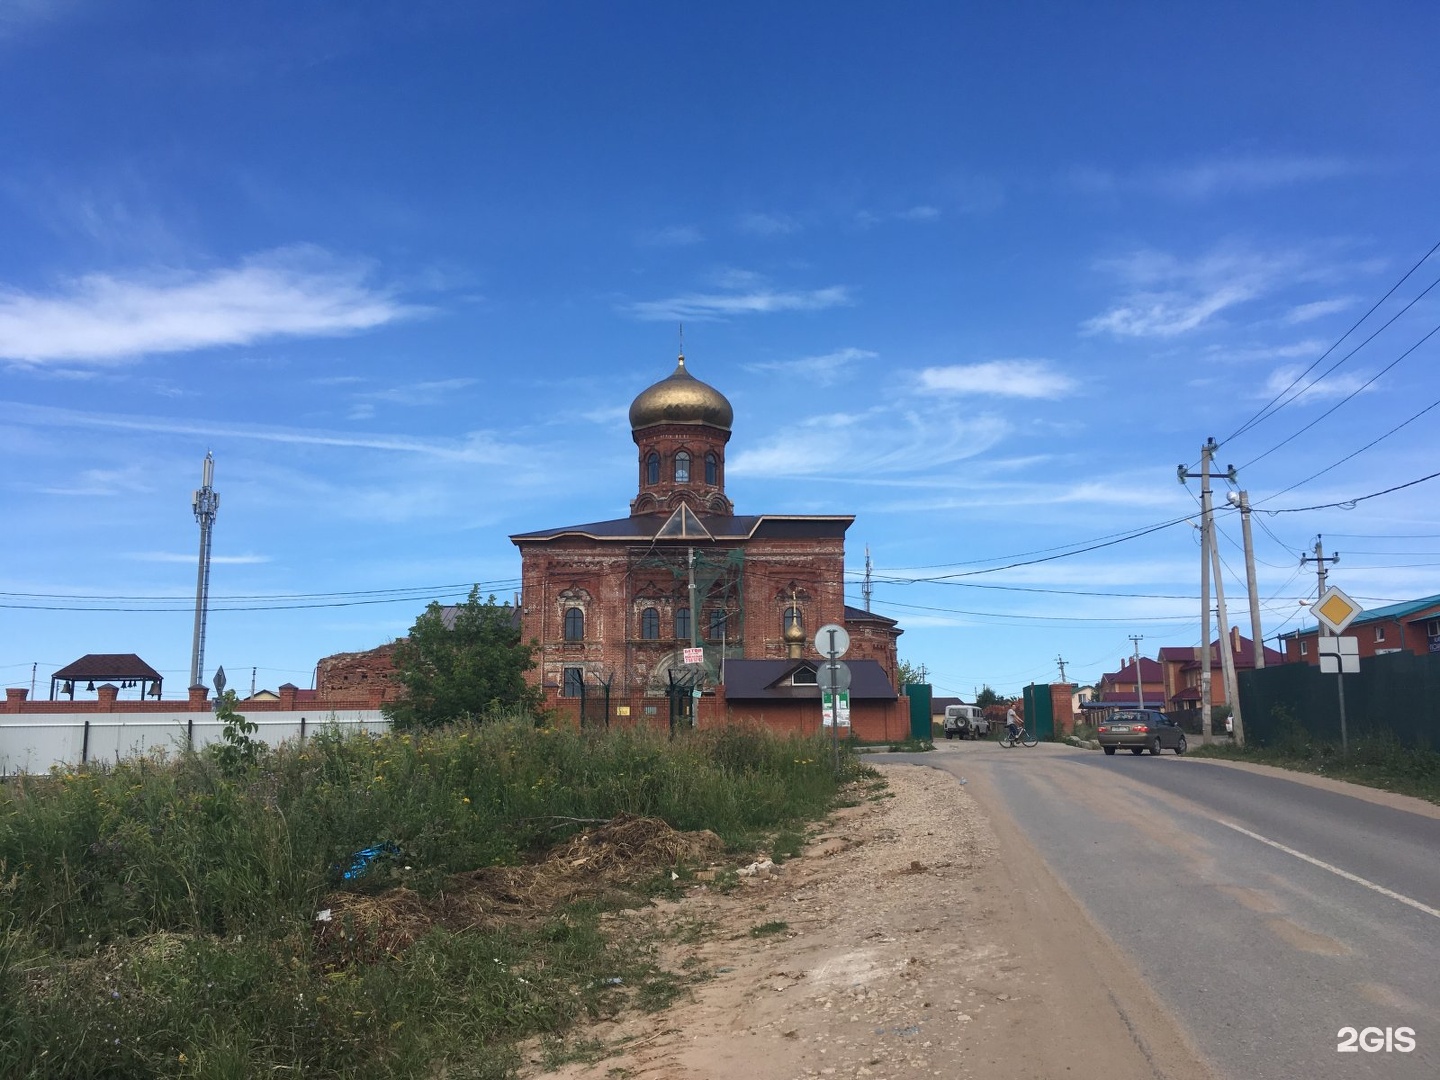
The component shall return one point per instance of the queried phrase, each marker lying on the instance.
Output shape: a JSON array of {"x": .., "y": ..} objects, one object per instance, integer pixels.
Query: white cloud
[
  {"x": 1223, "y": 176},
  {"x": 829, "y": 446},
  {"x": 104, "y": 318},
  {"x": 476, "y": 447},
  {"x": 1317, "y": 309},
  {"x": 706, "y": 307},
  {"x": 1332, "y": 386},
  {"x": 17, "y": 15},
  {"x": 768, "y": 224},
  {"x": 1295, "y": 350},
  {"x": 434, "y": 392},
  {"x": 178, "y": 557},
  {"x": 672, "y": 236},
  {"x": 868, "y": 219},
  {"x": 1002, "y": 378},
  {"x": 1171, "y": 296},
  {"x": 824, "y": 370},
  {"x": 1199, "y": 180}
]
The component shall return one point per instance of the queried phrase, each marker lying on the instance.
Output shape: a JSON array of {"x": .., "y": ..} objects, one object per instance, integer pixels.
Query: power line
[
  {"x": 1266, "y": 410},
  {"x": 1348, "y": 397},
  {"x": 1049, "y": 558},
  {"x": 1349, "y": 504},
  {"x": 1355, "y": 453}
]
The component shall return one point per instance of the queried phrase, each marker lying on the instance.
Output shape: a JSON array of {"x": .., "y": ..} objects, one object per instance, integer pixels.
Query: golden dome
[
  {"x": 680, "y": 398},
  {"x": 793, "y": 633}
]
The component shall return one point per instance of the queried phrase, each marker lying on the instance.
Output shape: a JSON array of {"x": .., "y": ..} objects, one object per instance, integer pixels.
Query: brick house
[
  {"x": 1181, "y": 665},
  {"x": 1412, "y": 626},
  {"x": 1117, "y": 688},
  {"x": 613, "y": 605}
]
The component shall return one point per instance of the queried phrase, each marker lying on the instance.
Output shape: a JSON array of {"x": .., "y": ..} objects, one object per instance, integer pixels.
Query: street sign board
[
  {"x": 837, "y": 678},
  {"x": 1336, "y": 610},
  {"x": 694, "y": 656},
  {"x": 840, "y": 710},
  {"x": 831, "y": 639},
  {"x": 1339, "y": 655}
]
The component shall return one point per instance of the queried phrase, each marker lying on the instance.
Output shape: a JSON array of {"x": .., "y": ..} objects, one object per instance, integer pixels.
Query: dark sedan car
[{"x": 1138, "y": 730}]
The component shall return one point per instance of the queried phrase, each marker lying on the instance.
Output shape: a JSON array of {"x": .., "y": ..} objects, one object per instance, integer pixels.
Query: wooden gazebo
[{"x": 124, "y": 670}]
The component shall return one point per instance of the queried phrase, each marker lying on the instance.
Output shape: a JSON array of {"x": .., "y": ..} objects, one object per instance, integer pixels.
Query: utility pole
[
  {"x": 1061, "y": 661},
  {"x": 1206, "y": 538},
  {"x": 865, "y": 588},
  {"x": 1139, "y": 685},
  {"x": 694, "y": 614},
  {"x": 205, "y": 502},
  {"x": 1320, "y": 559},
  {"x": 1227, "y": 656},
  {"x": 1242, "y": 500}
]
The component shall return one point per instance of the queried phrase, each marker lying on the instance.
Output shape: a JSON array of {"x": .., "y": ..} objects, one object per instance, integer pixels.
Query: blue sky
[{"x": 982, "y": 278}]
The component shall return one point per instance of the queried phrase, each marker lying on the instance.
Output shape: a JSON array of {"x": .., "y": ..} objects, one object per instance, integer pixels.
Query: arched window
[
  {"x": 652, "y": 468},
  {"x": 712, "y": 469},
  {"x": 682, "y": 623},
  {"x": 793, "y": 618},
  {"x": 574, "y": 624},
  {"x": 682, "y": 468},
  {"x": 719, "y": 618},
  {"x": 650, "y": 624}
]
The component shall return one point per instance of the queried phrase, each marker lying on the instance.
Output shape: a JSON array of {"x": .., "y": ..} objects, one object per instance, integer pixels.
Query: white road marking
[{"x": 1416, "y": 904}]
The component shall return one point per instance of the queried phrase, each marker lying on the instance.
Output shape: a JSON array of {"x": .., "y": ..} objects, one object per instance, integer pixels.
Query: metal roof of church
[
  {"x": 719, "y": 526},
  {"x": 751, "y": 680}
]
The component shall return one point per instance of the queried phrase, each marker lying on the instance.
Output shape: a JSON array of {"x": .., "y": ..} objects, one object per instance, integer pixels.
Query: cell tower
[{"x": 205, "y": 502}]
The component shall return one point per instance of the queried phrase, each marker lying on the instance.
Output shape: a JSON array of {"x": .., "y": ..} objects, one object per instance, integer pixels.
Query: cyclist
[{"x": 1013, "y": 723}]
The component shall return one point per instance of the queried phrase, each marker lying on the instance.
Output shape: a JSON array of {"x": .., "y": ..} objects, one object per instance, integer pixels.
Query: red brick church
[{"x": 614, "y": 605}]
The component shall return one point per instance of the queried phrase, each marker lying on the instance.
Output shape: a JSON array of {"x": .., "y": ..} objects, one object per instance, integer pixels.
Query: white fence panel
[{"x": 36, "y": 744}]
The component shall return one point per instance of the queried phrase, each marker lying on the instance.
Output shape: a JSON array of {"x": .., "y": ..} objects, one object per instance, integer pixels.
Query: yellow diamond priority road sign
[{"x": 1336, "y": 610}]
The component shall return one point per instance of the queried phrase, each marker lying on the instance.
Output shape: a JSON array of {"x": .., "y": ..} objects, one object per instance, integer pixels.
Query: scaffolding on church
[{"x": 719, "y": 589}]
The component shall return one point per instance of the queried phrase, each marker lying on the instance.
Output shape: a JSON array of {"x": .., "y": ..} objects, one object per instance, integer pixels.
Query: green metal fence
[
  {"x": 1397, "y": 693},
  {"x": 1039, "y": 711},
  {"x": 920, "y": 696}
]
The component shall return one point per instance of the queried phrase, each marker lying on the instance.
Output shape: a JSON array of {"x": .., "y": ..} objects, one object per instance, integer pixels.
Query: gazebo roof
[{"x": 94, "y": 666}]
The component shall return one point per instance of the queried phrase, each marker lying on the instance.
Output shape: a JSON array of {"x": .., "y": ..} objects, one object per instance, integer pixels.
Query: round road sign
[{"x": 831, "y": 640}]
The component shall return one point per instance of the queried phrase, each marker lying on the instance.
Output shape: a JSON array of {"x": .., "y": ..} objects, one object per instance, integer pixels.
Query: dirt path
[{"x": 920, "y": 940}]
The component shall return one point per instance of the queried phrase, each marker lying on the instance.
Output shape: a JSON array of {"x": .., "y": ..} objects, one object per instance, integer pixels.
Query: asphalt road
[{"x": 1266, "y": 914}]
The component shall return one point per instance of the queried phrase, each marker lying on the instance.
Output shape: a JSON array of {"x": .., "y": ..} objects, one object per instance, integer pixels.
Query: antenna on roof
[
  {"x": 205, "y": 502},
  {"x": 866, "y": 587}
]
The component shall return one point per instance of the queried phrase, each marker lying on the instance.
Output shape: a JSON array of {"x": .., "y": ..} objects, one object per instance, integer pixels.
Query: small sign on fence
[{"x": 694, "y": 656}]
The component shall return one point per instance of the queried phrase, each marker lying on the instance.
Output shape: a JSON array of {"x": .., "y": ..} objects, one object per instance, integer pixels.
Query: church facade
[{"x": 687, "y": 612}]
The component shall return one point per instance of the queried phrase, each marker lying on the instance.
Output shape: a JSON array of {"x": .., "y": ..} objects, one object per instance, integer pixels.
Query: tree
[
  {"x": 468, "y": 666},
  {"x": 987, "y": 696},
  {"x": 910, "y": 674}
]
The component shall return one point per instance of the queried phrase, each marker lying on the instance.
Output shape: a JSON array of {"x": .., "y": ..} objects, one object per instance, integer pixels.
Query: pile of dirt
[{"x": 622, "y": 851}]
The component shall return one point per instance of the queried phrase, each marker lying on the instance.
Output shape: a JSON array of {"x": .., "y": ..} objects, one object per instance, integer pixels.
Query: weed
[
  {"x": 160, "y": 913},
  {"x": 787, "y": 844},
  {"x": 1379, "y": 761},
  {"x": 766, "y": 929}
]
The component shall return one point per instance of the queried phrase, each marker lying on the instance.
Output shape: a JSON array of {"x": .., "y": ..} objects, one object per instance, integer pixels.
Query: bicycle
[{"x": 1023, "y": 737}]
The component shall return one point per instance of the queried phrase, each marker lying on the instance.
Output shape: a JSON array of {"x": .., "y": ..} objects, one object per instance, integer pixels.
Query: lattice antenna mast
[
  {"x": 205, "y": 503},
  {"x": 865, "y": 589}
]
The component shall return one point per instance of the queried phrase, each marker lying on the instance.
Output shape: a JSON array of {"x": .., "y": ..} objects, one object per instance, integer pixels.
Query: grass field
[
  {"x": 381, "y": 906},
  {"x": 1377, "y": 762}
]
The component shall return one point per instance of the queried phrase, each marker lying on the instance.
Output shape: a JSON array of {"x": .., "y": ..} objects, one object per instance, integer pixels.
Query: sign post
[
  {"x": 831, "y": 641},
  {"x": 1342, "y": 656},
  {"x": 1339, "y": 654}
]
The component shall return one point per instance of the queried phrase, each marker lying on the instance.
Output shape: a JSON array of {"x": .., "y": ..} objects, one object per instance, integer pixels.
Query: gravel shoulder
[{"x": 920, "y": 939}]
